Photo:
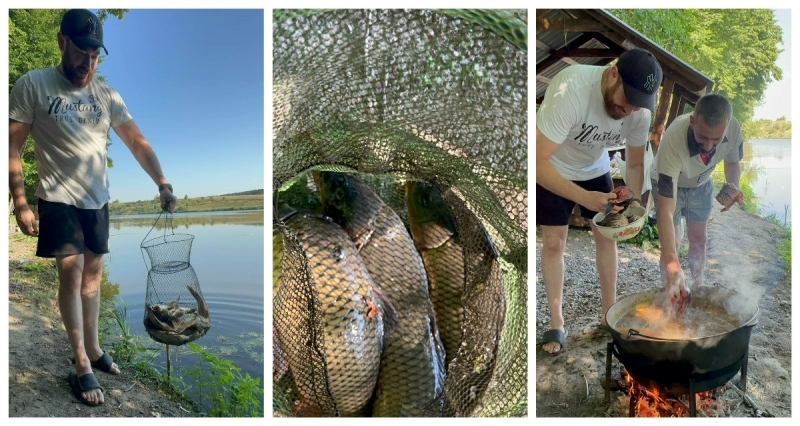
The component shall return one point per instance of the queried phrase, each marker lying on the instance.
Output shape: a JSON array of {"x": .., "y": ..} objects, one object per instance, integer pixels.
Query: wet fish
[
  {"x": 412, "y": 365},
  {"x": 328, "y": 318},
  {"x": 434, "y": 233},
  {"x": 467, "y": 288}
]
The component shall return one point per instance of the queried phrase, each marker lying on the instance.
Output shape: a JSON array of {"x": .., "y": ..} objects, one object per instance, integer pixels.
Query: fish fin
[{"x": 391, "y": 320}]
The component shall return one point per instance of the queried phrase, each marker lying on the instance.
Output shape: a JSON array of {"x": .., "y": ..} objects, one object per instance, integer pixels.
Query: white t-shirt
[
  {"x": 573, "y": 115},
  {"x": 679, "y": 157},
  {"x": 69, "y": 129}
]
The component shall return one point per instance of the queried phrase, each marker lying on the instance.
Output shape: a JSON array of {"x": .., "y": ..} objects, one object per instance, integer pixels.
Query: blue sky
[
  {"x": 193, "y": 81},
  {"x": 777, "y": 100}
]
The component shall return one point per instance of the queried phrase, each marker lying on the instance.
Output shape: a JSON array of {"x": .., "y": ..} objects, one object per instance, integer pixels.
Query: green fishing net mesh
[{"x": 438, "y": 96}]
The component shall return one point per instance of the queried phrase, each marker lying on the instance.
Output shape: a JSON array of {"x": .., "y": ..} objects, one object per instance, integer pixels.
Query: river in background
[
  {"x": 227, "y": 255},
  {"x": 770, "y": 161}
]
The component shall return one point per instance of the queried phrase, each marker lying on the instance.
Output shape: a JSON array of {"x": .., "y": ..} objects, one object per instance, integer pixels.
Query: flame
[{"x": 648, "y": 402}]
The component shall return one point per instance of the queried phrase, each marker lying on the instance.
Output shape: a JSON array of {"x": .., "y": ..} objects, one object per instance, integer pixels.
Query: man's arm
[
  {"x": 634, "y": 169},
  {"x": 141, "y": 150},
  {"x": 17, "y": 134},
  {"x": 666, "y": 193},
  {"x": 548, "y": 177},
  {"x": 733, "y": 172}
]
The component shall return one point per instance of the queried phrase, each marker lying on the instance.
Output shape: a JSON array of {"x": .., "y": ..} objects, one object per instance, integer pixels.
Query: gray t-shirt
[{"x": 69, "y": 128}]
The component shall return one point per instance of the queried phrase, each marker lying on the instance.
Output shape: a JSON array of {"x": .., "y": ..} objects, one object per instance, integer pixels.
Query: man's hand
[
  {"x": 739, "y": 198},
  {"x": 169, "y": 202},
  {"x": 26, "y": 221},
  {"x": 675, "y": 287},
  {"x": 597, "y": 201}
]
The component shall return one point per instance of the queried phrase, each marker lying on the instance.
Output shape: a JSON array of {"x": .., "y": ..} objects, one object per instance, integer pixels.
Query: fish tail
[{"x": 202, "y": 308}]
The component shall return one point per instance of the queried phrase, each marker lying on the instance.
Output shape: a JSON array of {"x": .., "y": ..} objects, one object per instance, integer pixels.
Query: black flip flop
[
  {"x": 104, "y": 363},
  {"x": 82, "y": 384},
  {"x": 556, "y": 336}
]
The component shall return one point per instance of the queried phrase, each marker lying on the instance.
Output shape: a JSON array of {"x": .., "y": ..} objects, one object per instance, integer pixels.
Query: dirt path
[
  {"x": 39, "y": 359},
  {"x": 742, "y": 255}
]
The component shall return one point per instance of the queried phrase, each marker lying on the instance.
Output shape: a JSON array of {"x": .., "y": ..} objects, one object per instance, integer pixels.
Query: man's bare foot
[
  {"x": 92, "y": 395},
  {"x": 553, "y": 347}
]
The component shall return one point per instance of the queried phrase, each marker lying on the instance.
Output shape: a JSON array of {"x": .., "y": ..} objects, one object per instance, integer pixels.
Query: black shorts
[
  {"x": 65, "y": 229},
  {"x": 554, "y": 210}
]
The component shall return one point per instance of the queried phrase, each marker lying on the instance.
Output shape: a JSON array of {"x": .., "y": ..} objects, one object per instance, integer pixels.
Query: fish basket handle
[{"x": 167, "y": 224}]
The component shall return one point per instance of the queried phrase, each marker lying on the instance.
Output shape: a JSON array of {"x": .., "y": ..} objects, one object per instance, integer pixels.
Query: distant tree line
[
  {"x": 251, "y": 192},
  {"x": 770, "y": 129}
]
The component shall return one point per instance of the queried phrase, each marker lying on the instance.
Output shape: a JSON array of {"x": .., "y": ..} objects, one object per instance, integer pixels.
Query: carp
[
  {"x": 328, "y": 318},
  {"x": 434, "y": 233},
  {"x": 412, "y": 364},
  {"x": 467, "y": 287}
]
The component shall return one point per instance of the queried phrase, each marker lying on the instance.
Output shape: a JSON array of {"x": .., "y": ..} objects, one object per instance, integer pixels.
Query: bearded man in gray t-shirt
[{"x": 69, "y": 113}]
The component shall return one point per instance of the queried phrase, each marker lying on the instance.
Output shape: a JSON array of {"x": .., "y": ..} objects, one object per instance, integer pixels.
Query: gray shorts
[{"x": 692, "y": 203}]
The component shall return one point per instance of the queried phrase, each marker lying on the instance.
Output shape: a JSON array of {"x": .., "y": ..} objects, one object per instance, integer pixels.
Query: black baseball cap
[
  {"x": 83, "y": 28},
  {"x": 641, "y": 77}
]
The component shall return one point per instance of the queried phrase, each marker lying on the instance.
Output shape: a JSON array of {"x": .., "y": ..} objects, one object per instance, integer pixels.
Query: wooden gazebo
[{"x": 593, "y": 36}]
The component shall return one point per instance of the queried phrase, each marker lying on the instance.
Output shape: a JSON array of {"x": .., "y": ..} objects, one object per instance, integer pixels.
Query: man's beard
[
  {"x": 608, "y": 101},
  {"x": 71, "y": 73}
]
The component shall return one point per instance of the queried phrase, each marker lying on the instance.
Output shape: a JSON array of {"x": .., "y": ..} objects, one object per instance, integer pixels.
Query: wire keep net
[
  {"x": 396, "y": 98},
  {"x": 175, "y": 311}
]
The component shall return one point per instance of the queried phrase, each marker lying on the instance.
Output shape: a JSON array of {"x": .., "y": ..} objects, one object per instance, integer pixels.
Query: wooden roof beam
[{"x": 570, "y": 25}]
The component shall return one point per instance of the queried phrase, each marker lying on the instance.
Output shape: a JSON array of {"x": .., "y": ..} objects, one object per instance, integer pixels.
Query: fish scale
[
  {"x": 342, "y": 372},
  {"x": 412, "y": 365}
]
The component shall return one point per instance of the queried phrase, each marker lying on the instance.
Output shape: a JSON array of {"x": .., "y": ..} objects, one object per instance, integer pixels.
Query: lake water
[
  {"x": 227, "y": 255},
  {"x": 772, "y": 158}
]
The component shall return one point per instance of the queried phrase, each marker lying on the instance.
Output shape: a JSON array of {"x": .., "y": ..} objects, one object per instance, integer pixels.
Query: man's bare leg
[
  {"x": 90, "y": 301},
  {"x": 554, "y": 241},
  {"x": 70, "y": 295},
  {"x": 606, "y": 261},
  {"x": 696, "y": 231}
]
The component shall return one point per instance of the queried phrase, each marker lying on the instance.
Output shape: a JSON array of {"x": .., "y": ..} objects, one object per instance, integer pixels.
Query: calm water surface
[
  {"x": 228, "y": 257},
  {"x": 772, "y": 160}
]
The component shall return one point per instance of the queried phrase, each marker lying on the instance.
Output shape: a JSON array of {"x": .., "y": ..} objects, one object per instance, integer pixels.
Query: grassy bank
[{"x": 186, "y": 204}]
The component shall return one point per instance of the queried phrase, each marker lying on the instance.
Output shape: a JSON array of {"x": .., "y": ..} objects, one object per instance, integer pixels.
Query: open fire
[{"x": 651, "y": 402}]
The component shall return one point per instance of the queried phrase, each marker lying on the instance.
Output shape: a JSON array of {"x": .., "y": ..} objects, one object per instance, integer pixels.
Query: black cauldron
[{"x": 690, "y": 365}]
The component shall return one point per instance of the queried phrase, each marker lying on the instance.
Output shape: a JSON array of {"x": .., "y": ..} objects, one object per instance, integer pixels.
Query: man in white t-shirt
[
  {"x": 586, "y": 110},
  {"x": 691, "y": 148},
  {"x": 69, "y": 113}
]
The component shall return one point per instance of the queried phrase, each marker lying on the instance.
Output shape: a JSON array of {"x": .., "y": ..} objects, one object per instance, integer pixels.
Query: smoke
[{"x": 737, "y": 273}]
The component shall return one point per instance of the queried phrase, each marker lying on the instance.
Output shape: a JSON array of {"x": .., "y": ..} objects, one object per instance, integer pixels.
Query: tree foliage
[
  {"x": 770, "y": 129},
  {"x": 736, "y": 48},
  {"x": 32, "y": 44}
]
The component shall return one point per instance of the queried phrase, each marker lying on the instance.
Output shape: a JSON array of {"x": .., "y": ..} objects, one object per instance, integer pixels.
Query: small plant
[
  {"x": 127, "y": 347},
  {"x": 648, "y": 236},
  {"x": 223, "y": 389}
]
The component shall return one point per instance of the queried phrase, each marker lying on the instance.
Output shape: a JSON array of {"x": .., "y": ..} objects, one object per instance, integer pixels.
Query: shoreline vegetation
[{"x": 249, "y": 200}]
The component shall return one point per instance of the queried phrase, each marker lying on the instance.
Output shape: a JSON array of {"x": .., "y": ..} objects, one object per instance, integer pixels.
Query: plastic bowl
[{"x": 622, "y": 233}]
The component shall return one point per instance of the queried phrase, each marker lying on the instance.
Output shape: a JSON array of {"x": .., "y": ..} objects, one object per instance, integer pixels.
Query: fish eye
[{"x": 425, "y": 199}]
